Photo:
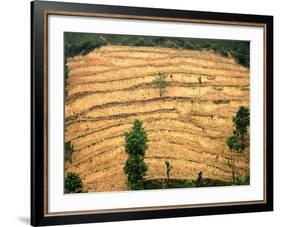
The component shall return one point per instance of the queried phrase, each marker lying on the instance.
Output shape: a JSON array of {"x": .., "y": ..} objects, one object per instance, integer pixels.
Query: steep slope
[{"x": 113, "y": 85}]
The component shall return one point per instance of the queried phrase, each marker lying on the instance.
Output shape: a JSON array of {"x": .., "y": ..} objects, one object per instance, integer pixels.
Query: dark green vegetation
[
  {"x": 236, "y": 142},
  {"x": 83, "y": 43},
  {"x": 68, "y": 150},
  {"x": 73, "y": 183},
  {"x": 163, "y": 184},
  {"x": 187, "y": 183},
  {"x": 135, "y": 146},
  {"x": 245, "y": 181},
  {"x": 79, "y": 44},
  {"x": 161, "y": 83},
  {"x": 242, "y": 122}
]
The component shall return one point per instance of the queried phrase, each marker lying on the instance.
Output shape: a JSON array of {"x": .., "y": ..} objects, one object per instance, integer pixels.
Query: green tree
[
  {"x": 242, "y": 122},
  {"x": 135, "y": 147},
  {"x": 235, "y": 142},
  {"x": 161, "y": 83},
  {"x": 73, "y": 183}
]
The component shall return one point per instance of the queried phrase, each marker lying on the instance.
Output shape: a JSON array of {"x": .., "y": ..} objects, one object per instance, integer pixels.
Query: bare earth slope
[{"x": 113, "y": 85}]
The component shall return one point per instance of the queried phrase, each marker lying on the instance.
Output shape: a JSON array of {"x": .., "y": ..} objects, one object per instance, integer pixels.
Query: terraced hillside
[{"x": 113, "y": 85}]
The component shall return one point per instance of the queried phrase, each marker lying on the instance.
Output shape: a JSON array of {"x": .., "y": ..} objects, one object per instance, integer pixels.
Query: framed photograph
[{"x": 141, "y": 113}]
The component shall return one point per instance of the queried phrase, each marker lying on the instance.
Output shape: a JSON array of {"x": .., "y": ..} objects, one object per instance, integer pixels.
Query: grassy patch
[
  {"x": 208, "y": 182},
  {"x": 173, "y": 183},
  {"x": 183, "y": 183}
]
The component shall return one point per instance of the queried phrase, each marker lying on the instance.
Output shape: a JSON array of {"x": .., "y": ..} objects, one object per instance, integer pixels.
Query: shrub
[
  {"x": 189, "y": 45},
  {"x": 173, "y": 183},
  {"x": 240, "y": 181},
  {"x": 223, "y": 52},
  {"x": 206, "y": 46},
  {"x": 140, "y": 42},
  {"x": 68, "y": 150},
  {"x": 208, "y": 182},
  {"x": 73, "y": 183},
  {"x": 159, "y": 40},
  {"x": 246, "y": 180},
  {"x": 241, "y": 58}
]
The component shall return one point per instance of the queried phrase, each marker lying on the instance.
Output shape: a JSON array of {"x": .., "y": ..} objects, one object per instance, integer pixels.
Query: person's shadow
[{"x": 24, "y": 220}]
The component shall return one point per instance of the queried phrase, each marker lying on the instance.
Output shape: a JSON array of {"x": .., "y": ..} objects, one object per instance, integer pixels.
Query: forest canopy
[{"x": 83, "y": 43}]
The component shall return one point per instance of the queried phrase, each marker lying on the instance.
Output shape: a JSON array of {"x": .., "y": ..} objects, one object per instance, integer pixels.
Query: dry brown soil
[{"x": 113, "y": 85}]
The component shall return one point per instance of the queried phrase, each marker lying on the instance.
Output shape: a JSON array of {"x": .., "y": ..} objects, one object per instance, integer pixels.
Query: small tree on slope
[
  {"x": 242, "y": 122},
  {"x": 234, "y": 146},
  {"x": 135, "y": 147},
  {"x": 161, "y": 83},
  {"x": 168, "y": 170},
  {"x": 236, "y": 141}
]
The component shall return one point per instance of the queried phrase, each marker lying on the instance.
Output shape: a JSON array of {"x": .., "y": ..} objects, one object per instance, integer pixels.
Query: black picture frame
[{"x": 39, "y": 110}]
